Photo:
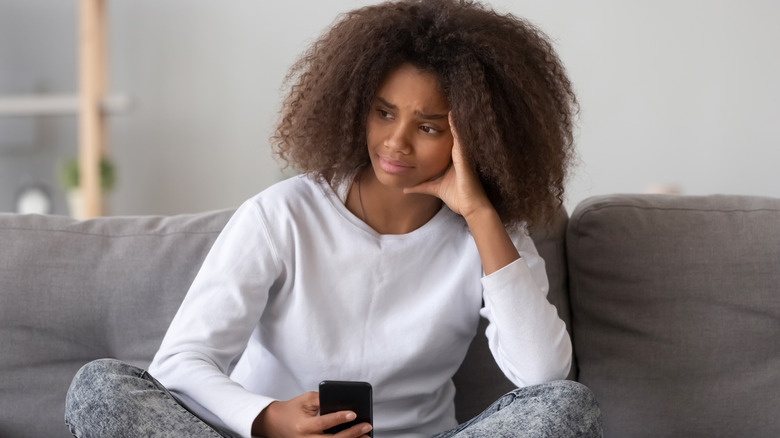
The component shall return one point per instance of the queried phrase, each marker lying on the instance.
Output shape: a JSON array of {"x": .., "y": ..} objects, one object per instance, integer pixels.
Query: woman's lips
[{"x": 393, "y": 166}]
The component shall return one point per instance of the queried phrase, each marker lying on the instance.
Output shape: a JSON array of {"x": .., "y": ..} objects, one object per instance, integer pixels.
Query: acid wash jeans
[{"x": 109, "y": 398}]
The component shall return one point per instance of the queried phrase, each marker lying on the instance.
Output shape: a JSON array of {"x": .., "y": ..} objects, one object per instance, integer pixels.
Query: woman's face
[{"x": 407, "y": 131}]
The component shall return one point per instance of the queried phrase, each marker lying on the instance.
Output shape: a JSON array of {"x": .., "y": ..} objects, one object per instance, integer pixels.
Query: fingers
[
  {"x": 321, "y": 423},
  {"x": 358, "y": 430},
  {"x": 324, "y": 422},
  {"x": 455, "y": 139},
  {"x": 327, "y": 421},
  {"x": 452, "y": 127},
  {"x": 457, "y": 151},
  {"x": 310, "y": 403},
  {"x": 430, "y": 187}
]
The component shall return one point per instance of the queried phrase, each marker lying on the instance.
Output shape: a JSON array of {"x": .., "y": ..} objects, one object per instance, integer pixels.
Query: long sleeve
[
  {"x": 527, "y": 338},
  {"x": 215, "y": 321}
]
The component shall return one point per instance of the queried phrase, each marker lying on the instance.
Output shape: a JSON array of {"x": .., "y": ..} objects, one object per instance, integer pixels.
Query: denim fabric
[
  {"x": 109, "y": 398},
  {"x": 556, "y": 409}
]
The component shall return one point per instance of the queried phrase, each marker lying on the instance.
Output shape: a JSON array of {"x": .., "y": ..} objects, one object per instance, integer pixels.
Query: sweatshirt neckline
[{"x": 337, "y": 197}]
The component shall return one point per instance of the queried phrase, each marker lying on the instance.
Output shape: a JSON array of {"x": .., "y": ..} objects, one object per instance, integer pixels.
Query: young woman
[{"x": 429, "y": 134}]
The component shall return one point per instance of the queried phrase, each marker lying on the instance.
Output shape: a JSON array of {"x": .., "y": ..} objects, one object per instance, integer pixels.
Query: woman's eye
[
  {"x": 384, "y": 114},
  {"x": 429, "y": 129}
]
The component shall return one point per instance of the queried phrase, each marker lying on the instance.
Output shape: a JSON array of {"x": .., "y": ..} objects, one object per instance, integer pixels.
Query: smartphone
[{"x": 339, "y": 395}]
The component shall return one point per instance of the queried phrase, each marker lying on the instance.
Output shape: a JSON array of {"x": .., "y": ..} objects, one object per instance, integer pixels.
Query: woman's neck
[{"x": 386, "y": 209}]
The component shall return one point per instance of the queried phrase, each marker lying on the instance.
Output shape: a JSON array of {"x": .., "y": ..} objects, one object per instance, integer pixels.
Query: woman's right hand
[{"x": 298, "y": 417}]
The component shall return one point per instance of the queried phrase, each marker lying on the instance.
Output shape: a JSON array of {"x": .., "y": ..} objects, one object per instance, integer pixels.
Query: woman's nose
[{"x": 397, "y": 139}]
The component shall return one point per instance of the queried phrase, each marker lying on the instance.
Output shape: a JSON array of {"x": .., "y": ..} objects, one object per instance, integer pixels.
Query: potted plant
[{"x": 70, "y": 180}]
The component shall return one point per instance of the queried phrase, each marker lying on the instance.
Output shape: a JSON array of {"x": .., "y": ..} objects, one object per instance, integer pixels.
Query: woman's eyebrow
[
  {"x": 417, "y": 113},
  {"x": 431, "y": 116},
  {"x": 386, "y": 103}
]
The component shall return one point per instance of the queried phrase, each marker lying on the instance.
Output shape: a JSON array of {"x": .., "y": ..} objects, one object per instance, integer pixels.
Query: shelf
[{"x": 36, "y": 105}]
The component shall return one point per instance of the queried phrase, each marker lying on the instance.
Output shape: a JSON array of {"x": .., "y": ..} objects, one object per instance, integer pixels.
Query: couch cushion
[
  {"x": 676, "y": 313},
  {"x": 74, "y": 291}
]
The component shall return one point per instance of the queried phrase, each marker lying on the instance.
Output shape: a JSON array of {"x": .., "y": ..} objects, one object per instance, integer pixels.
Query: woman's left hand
[{"x": 458, "y": 187}]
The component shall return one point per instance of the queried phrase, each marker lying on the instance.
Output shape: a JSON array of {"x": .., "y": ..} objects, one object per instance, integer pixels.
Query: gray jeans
[{"x": 109, "y": 398}]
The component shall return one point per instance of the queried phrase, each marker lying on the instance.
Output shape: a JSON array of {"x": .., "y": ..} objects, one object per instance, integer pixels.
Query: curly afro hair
[{"x": 510, "y": 99}]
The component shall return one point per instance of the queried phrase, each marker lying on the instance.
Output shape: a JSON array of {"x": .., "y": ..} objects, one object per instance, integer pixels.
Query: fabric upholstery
[
  {"x": 674, "y": 309},
  {"x": 75, "y": 291},
  {"x": 71, "y": 292},
  {"x": 676, "y": 313}
]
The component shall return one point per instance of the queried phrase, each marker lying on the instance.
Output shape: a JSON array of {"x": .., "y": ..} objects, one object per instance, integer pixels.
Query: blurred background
[{"x": 676, "y": 96}]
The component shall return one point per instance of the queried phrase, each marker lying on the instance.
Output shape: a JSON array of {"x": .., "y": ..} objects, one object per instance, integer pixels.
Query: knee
[
  {"x": 578, "y": 404},
  {"x": 570, "y": 394},
  {"x": 95, "y": 375},
  {"x": 574, "y": 392},
  {"x": 94, "y": 390}
]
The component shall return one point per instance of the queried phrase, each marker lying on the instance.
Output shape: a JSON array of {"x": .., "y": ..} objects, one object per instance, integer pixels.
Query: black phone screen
[{"x": 336, "y": 395}]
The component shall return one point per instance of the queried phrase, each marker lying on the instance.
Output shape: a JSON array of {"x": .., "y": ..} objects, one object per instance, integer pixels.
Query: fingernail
[
  {"x": 351, "y": 416},
  {"x": 367, "y": 428}
]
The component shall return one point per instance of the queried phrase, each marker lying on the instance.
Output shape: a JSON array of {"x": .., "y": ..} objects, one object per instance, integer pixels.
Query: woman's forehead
[{"x": 409, "y": 82}]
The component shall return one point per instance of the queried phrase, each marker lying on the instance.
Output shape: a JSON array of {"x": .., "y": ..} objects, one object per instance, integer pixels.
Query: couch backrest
[
  {"x": 71, "y": 292},
  {"x": 676, "y": 313}
]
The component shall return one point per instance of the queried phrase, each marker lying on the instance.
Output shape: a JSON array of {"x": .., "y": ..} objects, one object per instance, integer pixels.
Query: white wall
[
  {"x": 680, "y": 93},
  {"x": 207, "y": 79},
  {"x": 677, "y": 92}
]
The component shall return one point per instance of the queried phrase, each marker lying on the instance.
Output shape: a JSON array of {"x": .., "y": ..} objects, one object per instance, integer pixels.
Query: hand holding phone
[
  {"x": 299, "y": 416},
  {"x": 352, "y": 396}
]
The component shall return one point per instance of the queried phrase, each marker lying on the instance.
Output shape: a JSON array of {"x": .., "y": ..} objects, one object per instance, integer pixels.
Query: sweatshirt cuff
[{"x": 241, "y": 419}]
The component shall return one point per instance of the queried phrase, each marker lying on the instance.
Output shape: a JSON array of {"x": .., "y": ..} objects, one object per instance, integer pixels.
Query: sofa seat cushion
[
  {"x": 75, "y": 291},
  {"x": 676, "y": 313}
]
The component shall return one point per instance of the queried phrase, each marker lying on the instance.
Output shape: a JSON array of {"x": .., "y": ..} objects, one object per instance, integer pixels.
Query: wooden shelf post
[{"x": 92, "y": 87}]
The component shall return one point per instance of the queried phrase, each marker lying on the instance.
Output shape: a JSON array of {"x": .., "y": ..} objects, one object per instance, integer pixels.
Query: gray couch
[{"x": 673, "y": 303}]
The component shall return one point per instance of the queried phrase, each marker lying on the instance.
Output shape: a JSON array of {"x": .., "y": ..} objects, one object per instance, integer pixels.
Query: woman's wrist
[
  {"x": 480, "y": 215},
  {"x": 258, "y": 426},
  {"x": 494, "y": 245}
]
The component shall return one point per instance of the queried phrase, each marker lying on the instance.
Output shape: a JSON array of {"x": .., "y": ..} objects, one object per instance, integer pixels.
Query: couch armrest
[{"x": 676, "y": 312}]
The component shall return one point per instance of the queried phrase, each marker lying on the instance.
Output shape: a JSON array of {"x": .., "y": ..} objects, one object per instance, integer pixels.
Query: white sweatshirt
[{"x": 296, "y": 290}]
